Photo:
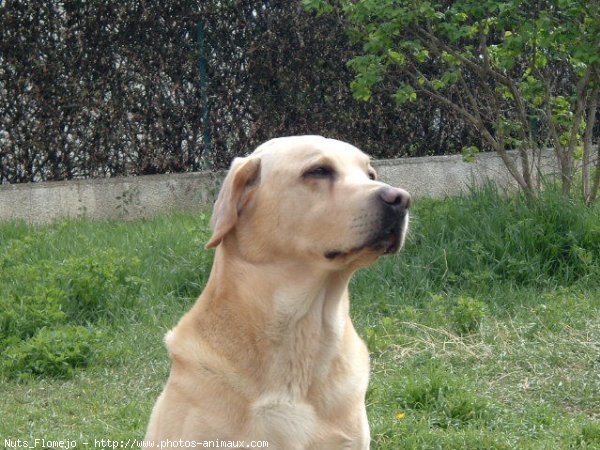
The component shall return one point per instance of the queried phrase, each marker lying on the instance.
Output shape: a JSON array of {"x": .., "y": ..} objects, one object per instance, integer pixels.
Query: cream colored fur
[{"x": 268, "y": 351}]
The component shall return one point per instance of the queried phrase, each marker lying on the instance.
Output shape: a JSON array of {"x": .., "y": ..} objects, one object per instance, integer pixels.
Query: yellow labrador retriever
[{"x": 268, "y": 354}]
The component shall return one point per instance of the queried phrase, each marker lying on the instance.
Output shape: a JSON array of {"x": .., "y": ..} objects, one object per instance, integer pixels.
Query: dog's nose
[{"x": 395, "y": 197}]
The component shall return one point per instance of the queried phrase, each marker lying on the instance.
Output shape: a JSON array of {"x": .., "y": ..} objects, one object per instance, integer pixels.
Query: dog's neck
[
  {"x": 303, "y": 311},
  {"x": 286, "y": 291},
  {"x": 303, "y": 283}
]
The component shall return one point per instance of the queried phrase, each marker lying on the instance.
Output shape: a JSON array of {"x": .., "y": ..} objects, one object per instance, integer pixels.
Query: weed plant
[{"x": 484, "y": 332}]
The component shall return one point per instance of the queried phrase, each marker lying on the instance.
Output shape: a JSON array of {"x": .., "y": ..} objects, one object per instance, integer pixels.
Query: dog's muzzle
[
  {"x": 393, "y": 204},
  {"x": 384, "y": 233}
]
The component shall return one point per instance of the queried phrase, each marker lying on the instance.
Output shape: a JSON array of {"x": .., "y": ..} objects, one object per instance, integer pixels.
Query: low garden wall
[{"x": 144, "y": 196}]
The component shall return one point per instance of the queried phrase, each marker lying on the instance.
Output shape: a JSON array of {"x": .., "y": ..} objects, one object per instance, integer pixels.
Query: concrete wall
[
  {"x": 442, "y": 176},
  {"x": 137, "y": 197},
  {"x": 119, "y": 197}
]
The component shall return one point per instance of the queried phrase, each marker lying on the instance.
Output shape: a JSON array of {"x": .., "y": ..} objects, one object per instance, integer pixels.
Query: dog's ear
[{"x": 243, "y": 174}]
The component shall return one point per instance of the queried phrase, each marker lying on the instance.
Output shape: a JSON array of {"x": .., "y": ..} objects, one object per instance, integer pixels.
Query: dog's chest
[
  {"x": 305, "y": 340},
  {"x": 311, "y": 378},
  {"x": 325, "y": 419}
]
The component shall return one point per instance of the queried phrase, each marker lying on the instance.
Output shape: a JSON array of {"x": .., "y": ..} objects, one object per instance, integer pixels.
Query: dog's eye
[
  {"x": 319, "y": 172},
  {"x": 372, "y": 176}
]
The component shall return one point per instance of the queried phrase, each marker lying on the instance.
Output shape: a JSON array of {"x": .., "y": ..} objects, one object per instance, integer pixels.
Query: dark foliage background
[{"x": 103, "y": 88}]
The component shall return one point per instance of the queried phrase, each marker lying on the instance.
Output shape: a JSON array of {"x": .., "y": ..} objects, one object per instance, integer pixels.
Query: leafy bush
[
  {"x": 256, "y": 49},
  {"x": 51, "y": 352},
  {"x": 97, "y": 286},
  {"x": 429, "y": 387},
  {"x": 466, "y": 315},
  {"x": 385, "y": 334},
  {"x": 21, "y": 316},
  {"x": 45, "y": 304}
]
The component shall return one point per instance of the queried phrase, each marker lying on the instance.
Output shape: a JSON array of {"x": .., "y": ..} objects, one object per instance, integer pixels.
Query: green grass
[{"x": 484, "y": 332}]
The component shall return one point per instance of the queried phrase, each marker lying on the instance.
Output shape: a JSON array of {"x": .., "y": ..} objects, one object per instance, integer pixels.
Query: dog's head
[{"x": 309, "y": 198}]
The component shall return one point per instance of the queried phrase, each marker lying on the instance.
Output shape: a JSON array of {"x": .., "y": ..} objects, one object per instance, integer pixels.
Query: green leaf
[
  {"x": 438, "y": 85},
  {"x": 405, "y": 93},
  {"x": 450, "y": 59},
  {"x": 468, "y": 153},
  {"x": 540, "y": 61},
  {"x": 422, "y": 55},
  {"x": 451, "y": 77},
  {"x": 396, "y": 57},
  {"x": 505, "y": 92},
  {"x": 321, "y": 7},
  {"x": 369, "y": 72},
  {"x": 360, "y": 91}
]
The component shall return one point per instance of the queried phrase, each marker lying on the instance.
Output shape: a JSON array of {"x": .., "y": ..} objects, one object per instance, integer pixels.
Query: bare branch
[
  {"x": 475, "y": 122},
  {"x": 590, "y": 192},
  {"x": 582, "y": 86}
]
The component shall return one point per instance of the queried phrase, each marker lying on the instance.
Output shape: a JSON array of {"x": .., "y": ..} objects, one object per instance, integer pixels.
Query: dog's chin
[
  {"x": 389, "y": 244},
  {"x": 387, "y": 241}
]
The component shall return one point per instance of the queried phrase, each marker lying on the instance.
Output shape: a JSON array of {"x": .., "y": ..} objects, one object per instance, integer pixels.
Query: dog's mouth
[
  {"x": 389, "y": 239},
  {"x": 386, "y": 241}
]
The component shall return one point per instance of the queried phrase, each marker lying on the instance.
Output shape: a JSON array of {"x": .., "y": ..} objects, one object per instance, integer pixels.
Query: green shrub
[
  {"x": 21, "y": 316},
  {"x": 41, "y": 301},
  {"x": 97, "y": 286},
  {"x": 425, "y": 391},
  {"x": 444, "y": 399},
  {"x": 466, "y": 315},
  {"x": 383, "y": 335},
  {"x": 52, "y": 352},
  {"x": 589, "y": 437}
]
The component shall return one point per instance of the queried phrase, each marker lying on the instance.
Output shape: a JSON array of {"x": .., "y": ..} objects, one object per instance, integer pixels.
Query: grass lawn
[{"x": 484, "y": 332}]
